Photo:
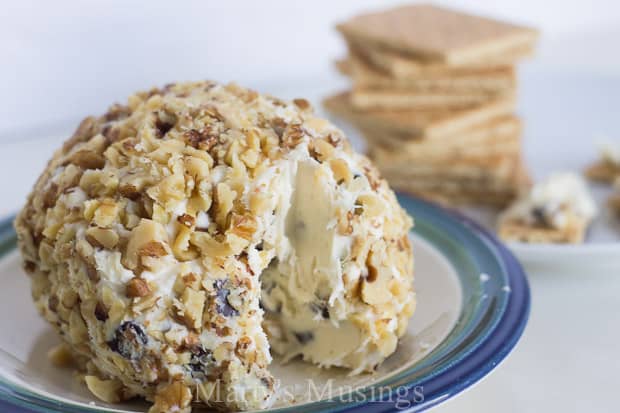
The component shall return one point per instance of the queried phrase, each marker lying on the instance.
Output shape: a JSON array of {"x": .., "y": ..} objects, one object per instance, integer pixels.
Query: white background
[
  {"x": 62, "y": 60},
  {"x": 66, "y": 59}
]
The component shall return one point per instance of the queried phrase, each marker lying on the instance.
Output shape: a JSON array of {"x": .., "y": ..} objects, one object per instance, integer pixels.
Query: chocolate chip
[
  {"x": 539, "y": 215},
  {"x": 222, "y": 305},
  {"x": 37, "y": 237},
  {"x": 304, "y": 337},
  {"x": 129, "y": 340},
  {"x": 321, "y": 308},
  {"x": 200, "y": 362},
  {"x": 30, "y": 266},
  {"x": 52, "y": 303},
  {"x": 162, "y": 127}
]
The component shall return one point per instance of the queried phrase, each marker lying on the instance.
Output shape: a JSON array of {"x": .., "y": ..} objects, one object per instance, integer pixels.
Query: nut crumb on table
[{"x": 556, "y": 210}]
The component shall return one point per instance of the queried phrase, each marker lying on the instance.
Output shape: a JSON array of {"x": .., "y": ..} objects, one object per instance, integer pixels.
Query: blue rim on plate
[{"x": 496, "y": 304}]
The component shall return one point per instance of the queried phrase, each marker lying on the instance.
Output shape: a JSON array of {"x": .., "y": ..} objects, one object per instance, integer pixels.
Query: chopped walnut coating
[
  {"x": 148, "y": 235},
  {"x": 137, "y": 287}
]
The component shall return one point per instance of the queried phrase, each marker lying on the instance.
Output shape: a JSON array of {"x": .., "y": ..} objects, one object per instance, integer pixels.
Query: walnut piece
[
  {"x": 137, "y": 287},
  {"x": 102, "y": 237},
  {"x": 144, "y": 240},
  {"x": 174, "y": 397}
]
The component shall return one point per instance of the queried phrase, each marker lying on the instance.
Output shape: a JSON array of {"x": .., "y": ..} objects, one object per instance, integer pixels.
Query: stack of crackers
[{"x": 434, "y": 95}]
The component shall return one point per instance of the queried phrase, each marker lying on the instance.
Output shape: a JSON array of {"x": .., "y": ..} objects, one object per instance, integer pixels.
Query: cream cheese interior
[{"x": 302, "y": 290}]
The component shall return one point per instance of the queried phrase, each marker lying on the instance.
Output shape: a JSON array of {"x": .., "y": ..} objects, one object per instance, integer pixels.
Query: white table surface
[{"x": 568, "y": 358}]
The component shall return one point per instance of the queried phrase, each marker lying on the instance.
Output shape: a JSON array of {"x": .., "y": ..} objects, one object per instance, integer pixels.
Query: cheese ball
[{"x": 177, "y": 239}]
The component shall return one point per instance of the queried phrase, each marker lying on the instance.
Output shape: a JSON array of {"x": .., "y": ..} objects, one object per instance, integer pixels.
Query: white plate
[{"x": 601, "y": 249}]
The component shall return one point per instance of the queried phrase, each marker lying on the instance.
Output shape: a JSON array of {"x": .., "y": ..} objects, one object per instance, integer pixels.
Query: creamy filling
[
  {"x": 551, "y": 202},
  {"x": 115, "y": 275},
  {"x": 302, "y": 287}
]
